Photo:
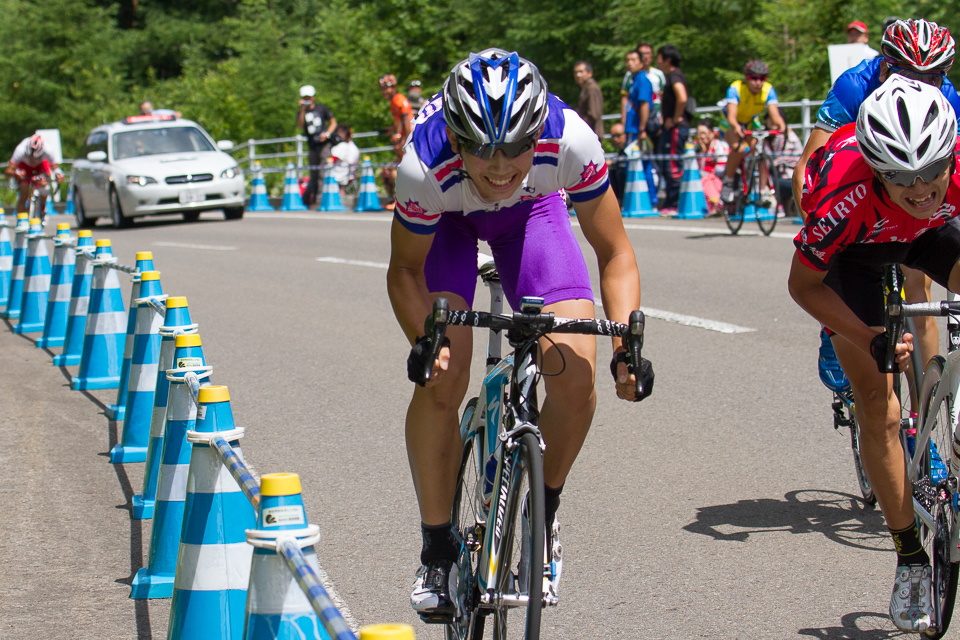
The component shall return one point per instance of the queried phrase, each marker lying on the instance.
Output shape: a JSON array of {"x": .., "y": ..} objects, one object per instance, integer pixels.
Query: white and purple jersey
[{"x": 431, "y": 180}]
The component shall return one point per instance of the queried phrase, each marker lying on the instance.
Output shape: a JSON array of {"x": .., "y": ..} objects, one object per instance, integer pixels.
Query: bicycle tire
[
  {"x": 768, "y": 221},
  {"x": 733, "y": 211},
  {"x": 866, "y": 489},
  {"x": 465, "y": 516},
  {"x": 937, "y": 542},
  {"x": 524, "y": 536}
]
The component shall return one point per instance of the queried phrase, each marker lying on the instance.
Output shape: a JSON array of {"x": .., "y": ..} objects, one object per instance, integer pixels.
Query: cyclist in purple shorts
[{"x": 487, "y": 160}]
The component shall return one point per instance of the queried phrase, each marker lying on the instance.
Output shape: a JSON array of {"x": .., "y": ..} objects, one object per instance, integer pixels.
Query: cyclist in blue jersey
[
  {"x": 488, "y": 160},
  {"x": 917, "y": 49}
]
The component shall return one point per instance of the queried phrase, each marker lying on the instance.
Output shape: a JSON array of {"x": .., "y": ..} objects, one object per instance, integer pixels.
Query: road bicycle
[
  {"x": 33, "y": 203},
  {"x": 935, "y": 495},
  {"x": 757, "y": 188},
  {"x": 498, "y": 511}
]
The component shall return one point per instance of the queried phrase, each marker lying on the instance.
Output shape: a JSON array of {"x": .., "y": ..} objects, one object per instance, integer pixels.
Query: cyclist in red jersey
[
  {"x": 882, "y": 191},
  {"x": 30, "y": 159},
  {"x": 402, "y": 114}
]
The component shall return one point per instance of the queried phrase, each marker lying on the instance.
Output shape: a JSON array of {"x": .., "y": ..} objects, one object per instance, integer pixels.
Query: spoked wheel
[
  {"x": 518, "y": 597},
  {"x": 766, "y": 196},
  {"x": 733, "y": 211},
  {"x": 865, "y": 487},
  {"x": 466, "y": 516},
  {"x": 931, "y": 488}
]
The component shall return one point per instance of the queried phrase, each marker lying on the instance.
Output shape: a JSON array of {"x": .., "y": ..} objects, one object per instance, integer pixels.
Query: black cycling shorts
[{"x": 857, "y": 272}]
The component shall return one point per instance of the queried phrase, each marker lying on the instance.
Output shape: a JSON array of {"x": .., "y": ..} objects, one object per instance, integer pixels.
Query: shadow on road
[
  {"x": 841, "y": 517},
  {"x": 860, "y": 625}
]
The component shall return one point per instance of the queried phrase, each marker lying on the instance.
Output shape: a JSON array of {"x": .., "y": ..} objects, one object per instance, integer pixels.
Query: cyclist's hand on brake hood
[
  {"x": 626, "y": 380},
  {"x": 417, "y": 361}
]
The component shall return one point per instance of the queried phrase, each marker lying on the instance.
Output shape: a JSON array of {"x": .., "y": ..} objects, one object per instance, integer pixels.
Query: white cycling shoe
[{"x": 911, "y": 606}]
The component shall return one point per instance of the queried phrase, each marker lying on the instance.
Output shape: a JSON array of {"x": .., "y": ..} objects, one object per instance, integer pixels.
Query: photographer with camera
[{"x": 318, "y": 126}]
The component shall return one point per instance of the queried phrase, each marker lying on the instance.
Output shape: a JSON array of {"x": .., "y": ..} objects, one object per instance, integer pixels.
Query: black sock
[
  {"x": 909, "y": 549},
  {"x": 550, "y": 504},
  {"x": 439, "y": 543}
]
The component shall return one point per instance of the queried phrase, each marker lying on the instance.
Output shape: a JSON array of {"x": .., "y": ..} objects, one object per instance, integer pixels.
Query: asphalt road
[{"x": 725, "y": 506}]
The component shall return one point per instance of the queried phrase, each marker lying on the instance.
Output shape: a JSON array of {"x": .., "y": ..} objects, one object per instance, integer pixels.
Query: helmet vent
[
  {"x": 931, "y": 115},
  {"x": 903, "y": 114},
  {"x": 878, "y": 127},
  {"x": 922, "y": 149}
]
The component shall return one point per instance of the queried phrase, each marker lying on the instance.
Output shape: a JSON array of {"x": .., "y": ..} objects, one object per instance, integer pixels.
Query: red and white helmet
[
  {"x": 35, "y": 146},
  {"x": 919, "y": 44}
]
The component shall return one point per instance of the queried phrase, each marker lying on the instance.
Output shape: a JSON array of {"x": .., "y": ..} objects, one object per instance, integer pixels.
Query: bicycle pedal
[{"x": 436, "y": 618}]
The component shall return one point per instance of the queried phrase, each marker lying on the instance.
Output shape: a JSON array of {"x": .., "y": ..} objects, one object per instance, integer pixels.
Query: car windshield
[{"x": 149, "y": 142}]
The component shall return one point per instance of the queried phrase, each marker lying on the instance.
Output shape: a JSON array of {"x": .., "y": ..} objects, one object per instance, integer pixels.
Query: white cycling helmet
[
  {"x": 906, "y": 125},
  {"x": 35, "y": 146},
  {"x": 495, "y": 97}
]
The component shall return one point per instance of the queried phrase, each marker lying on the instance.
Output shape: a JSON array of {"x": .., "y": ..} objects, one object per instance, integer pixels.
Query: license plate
[{"x": 191, "y": 195}]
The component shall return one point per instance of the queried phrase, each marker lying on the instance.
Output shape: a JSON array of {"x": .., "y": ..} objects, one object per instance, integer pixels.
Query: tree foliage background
[{"x": 235, "y": 65}]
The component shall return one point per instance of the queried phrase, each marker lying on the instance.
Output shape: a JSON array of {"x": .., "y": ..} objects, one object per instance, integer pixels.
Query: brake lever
[{"x": 436, "y": 328}]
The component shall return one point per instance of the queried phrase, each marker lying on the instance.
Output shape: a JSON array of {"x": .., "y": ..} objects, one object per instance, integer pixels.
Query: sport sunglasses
[
  {"x": 933, "y": 78},
  {"x": 760, "y": 78},
  {"x": 928, "y": 174},
  {"x": 487, "y": 151}
]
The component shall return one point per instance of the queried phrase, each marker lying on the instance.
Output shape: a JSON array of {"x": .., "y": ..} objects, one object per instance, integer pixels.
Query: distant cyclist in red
[
  {"x": 882, "y": 191},
  {"x": 30, "y": 159}
]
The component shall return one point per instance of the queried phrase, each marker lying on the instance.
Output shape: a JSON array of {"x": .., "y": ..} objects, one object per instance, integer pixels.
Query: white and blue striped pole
[
  {"x": 15, "y": 298},
  {"x": 36, "y": 282}
]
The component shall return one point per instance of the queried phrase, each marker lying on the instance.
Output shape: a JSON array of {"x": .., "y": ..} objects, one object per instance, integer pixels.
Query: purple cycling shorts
[{"x": 533, "y": 246}]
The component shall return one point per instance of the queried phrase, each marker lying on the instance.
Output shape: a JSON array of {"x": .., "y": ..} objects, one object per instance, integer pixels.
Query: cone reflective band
[
  {"x": 144, "y": 365},
  {"x": 36, "y": 282},
  {"x": 693, "y": 203},
  {"x": 6, "y": 261},
  {"x": 636, "y": 196},
  {"x": 330, "y": 201},
  {"x": 368, "y": 200},
  {"x": 292, "y": 201},
  {"x": 79, "y": 302},
  {"x": 70, "y": 209},
  {"x": 19, "y": 263},
  {"x": 104, "y": 335},
  {"x": 213, "y": 567},
  {"x": 144, "y": 263},
  {"x": 61, "y": 279},
  {"x": 259, "y": 201},
  {"x": 176, "y": 323}
]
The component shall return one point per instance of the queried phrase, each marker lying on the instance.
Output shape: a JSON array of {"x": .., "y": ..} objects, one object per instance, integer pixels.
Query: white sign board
[
  {"x": 51, "y": 143},
  {"x": 845, "y": 56}
]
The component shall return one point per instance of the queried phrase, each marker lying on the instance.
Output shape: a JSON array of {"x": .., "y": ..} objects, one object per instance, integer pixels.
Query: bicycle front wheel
[
  {"x": 932, "y": 490},
  {"x": 767, "y": 194},
  {"x": 866, "y": 489},
  {"x": 733, "y": 211},
  {"x": 519, "y": 590}
]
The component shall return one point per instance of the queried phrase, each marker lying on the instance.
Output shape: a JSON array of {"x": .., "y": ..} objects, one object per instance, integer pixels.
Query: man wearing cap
[
  {"x": 318, "y": 125},
  {"x": 857, "y": 32}
]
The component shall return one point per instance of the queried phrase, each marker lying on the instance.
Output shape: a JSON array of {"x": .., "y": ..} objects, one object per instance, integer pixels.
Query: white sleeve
[
  {"x": 419, "y": 203},
  {"x": 581, "y": 167}
]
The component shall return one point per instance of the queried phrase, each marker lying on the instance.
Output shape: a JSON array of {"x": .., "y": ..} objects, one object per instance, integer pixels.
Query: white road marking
[
  {"x": 717, "y": 231},
  {"x": 669, "y": 316},
  {"x": 357, "y": 263},
  {"x": 204, "y": 247}
]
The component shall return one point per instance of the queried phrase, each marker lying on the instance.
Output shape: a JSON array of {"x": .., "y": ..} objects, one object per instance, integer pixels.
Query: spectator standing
[
  {"x": 676, "y": 125},
  {"x": 712, "y": 166},
  {"x": 318, "y": 124},
  {"x": 402, "y": 114},
  {"x": 590, "y": 103},
  {"x": 641, "y": 101},
  {"x": 415, "y": 96},
  {"x": 146, "y": 109},
  {"x": 857, "y": 33},
  {"x": 617, "y": 167},
  {"x": 346, "y": 156},
  {"x": 657, "y": 82},
  {"x": 628, "y": 117}
]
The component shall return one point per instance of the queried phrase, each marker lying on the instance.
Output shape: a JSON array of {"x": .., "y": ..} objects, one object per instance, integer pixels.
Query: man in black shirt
[
  {"x": 318, "y": 124},
  {"x": 676, "y": 126}
]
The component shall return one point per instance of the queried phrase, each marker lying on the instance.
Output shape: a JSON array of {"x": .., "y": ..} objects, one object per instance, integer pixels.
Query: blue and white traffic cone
[
  {"x": 213, "y": 569},
  {"x": 79, "y": 301},
  {"x": 636, "y": 196},
  {"x": 144, "y": 366},
  {"x": 6, "y": 261},
  {"x": 70, "y": 208},
  {"x": 368, "y": 200},
  {"x": 330, "y": 200},
  {"x": 15, "y": 299},
  {"x": 48, "y": 208},
  {"x": 276, "y": 606},
  {"x": 176, "y": 323},
  {"x": 36, "y": 282},
  {"x": 156, "y": 579},
  {"x": 259, "y": 200},
  {"x": 61, "y": 278},
  {"x": 104, "y": 334},
  {"x": 693, "y": 203},
  {"x": 144, "y": 263},
  {"x": 292, "y": 201}
]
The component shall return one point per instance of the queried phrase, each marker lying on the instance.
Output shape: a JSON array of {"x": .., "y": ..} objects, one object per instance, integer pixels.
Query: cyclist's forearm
[
  {"x": 620, "y": 288},
  {"x": 410, "y": 299}
]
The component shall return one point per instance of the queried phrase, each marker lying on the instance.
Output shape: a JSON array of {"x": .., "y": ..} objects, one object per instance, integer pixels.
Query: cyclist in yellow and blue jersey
[{"x": 746, "y": 100}]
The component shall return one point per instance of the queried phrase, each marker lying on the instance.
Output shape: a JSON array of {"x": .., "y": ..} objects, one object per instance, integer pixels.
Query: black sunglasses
[
  {"x": 928, "y": 174},
  {"x": 934, "y": 78},
  {"x": 487, "y": 151}
]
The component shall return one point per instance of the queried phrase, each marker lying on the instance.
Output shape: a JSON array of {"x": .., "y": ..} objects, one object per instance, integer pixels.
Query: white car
[{"x": 146, "y": 165}]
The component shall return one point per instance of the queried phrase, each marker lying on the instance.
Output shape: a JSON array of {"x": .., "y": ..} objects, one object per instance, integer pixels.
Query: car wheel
[
  {"x": 191, "y": 216},
  {"x": 82, "y": 220},
  {"x": 116, "y": 212},
  {"x": 233, "y": 213}
]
